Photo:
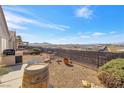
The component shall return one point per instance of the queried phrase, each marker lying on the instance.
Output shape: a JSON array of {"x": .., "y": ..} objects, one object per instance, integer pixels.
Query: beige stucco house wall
[
  {"x": 12, "y": 40},
  {"x": 4, "y": 33},
  {"x": 7, "y": 40}
]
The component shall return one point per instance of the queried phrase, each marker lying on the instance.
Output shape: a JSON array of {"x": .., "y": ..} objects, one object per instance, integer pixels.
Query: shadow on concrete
[{"x": 15, "y": 67}]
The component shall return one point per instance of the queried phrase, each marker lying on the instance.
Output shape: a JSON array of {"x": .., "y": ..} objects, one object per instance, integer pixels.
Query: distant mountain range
[{"x": 39, "y": 44}]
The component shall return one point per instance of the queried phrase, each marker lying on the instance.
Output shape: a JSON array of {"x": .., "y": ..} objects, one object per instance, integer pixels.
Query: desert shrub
[
  {"x": 112, "y": 73},
  {"x": 36, "y": 49},
  {"x": 3, "y": 70}
]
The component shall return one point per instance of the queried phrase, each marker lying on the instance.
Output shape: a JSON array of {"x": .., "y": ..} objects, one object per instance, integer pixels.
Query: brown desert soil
[{"x": 64, "y": 76}]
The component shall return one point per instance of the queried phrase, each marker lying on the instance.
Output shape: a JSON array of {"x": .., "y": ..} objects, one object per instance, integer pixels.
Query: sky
[{"x": 69, "y": 24}]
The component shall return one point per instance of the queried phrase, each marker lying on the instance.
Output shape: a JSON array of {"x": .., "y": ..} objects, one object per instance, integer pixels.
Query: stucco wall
[
  {"x": 12, "y": 40},
  {"x": 7, "y": 60},
  {"x": 4, "y": 33}
]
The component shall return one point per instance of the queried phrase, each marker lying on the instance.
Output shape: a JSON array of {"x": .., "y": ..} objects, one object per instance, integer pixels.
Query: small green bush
[
  {"x": 36, "y": 49},
  {"x": 112, "y": 73}
]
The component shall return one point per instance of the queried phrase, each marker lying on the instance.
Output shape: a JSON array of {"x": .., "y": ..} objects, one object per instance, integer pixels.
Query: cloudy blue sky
[{"x": 67, "y": 24}]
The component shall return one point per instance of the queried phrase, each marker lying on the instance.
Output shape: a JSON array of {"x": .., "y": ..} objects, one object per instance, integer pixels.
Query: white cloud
[
  {"x": 26, "y": 35},
  {"x": 16, "y": 8},
  {"x": 85, "y": 36},
  {"x": 17, "y": 21},
  {"x": 53, "y": 26},
  {"x": 67, "y": 27},
  {"x": 112, "y": 32},
  {"x": 98, "y": 34},
  {"x": 79, "y": 33},
  {"x": 14, "y": 18},
  {"x": 84, "y": 12},
  {"x": 14, "y": 26}
]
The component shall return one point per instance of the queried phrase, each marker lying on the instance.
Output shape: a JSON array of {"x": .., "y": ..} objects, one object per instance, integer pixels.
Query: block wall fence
[{"x": 86, "y": 57}]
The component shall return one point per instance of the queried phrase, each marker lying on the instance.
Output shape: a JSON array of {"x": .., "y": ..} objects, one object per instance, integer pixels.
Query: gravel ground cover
[
  {"x": 63, "y": 76},
  {"x": 60, "y": 75}
]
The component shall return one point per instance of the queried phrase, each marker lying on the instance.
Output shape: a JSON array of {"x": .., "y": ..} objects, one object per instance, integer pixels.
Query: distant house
[
  {"x": 20, "y": 43},
  {"x": 6, "y": 37},
  {"x": 103, "y": 49},
  {"x": 25, "y": 43}
]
